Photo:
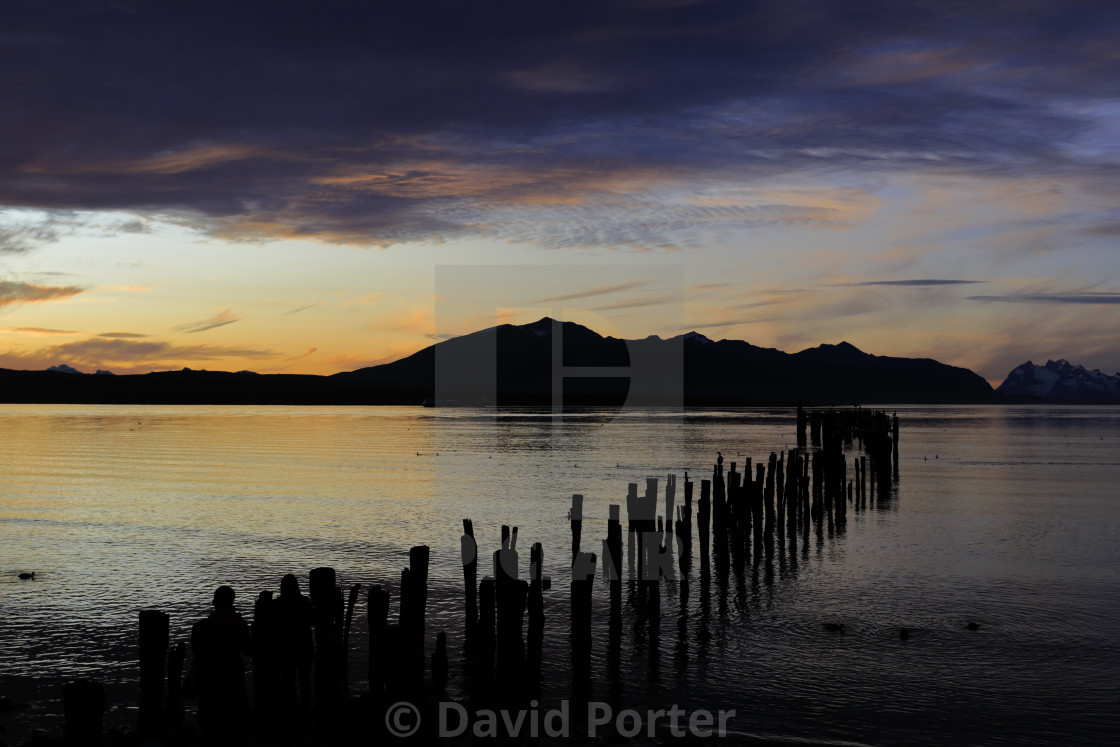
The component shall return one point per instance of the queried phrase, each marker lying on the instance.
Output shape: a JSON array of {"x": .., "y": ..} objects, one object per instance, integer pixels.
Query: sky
[{"x": 315, "y": 187}]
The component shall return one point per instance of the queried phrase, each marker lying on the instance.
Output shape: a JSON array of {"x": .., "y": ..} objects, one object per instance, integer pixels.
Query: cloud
[
  {"x": 104, "y": 351},
  {"x": 122, "y": 335},
  {"x": 14, "y": 292},
  {"x": 648, "y": 299},
  {"x": 1079, "y": 297},
  {"x": 566, "y": 125},
  {"x": 729, "y": 323},
  {"x": 221, "y": 319},
  {"x": 310, "y": 351},
  {"x": 23, "y": 230},
  {"x": 297, "y": 310},
  {"x": 919, "y": 282},
  {"x": 39, "y": 331},
  {"x": 365, "y": 300},
  {"x": 601, "y": 290}
]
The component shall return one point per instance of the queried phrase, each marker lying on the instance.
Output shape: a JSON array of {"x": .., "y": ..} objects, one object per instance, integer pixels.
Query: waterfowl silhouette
[
  {"x": 904, "y": 634},
  {"x": 834, "y": 627},
  {"x": 28, "y": 576},
  {"x": 973, "y": 626}
]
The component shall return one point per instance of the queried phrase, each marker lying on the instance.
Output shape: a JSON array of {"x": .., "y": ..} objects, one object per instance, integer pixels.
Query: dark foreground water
[{"x": 1009, "y": 517}]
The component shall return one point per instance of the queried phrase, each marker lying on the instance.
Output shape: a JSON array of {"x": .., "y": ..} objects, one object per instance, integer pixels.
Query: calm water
[{"x": 1005, "y": 516}]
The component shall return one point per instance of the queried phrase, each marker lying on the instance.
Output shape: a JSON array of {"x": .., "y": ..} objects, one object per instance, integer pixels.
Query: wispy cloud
[
  {"x": 39, "y": 331},
  {"x": 301, "y": 308},
  {"x": 13, "y": 292},
  {"x": 100, "y": 351},
  {"x": 309, "y": 352},
  {"x": 916, "y": 282},
  {"x": 1103, "y": 298},
  {"x": 122, "y": 335},
  {"x": 645, "y": 300},
  {"x": 24, "y": 230},
  {"x": 365, "y": 300},
  {"x": 600, "y": 290},
  {"x": 708, "y": 325},
  {"x": 222, "y": 318}
]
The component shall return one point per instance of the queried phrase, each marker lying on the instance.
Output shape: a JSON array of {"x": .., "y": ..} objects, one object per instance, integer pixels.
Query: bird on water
[
  {"x": 973, "y": 626},
  {"x": 28, "y": 576},
  {"x": 834, "y": 627}
]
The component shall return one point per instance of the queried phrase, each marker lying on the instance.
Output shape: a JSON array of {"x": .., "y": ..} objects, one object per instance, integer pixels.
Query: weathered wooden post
[
  {"x": 583, "y": 577},
  {"x": 757, "y": 501},
  {"x": 355, "y": 589},
  {"x": 174, "y": 706},
  {"x": 670, "y": 497},
  {"x": 154, "y": 638},
  {"x": 414, "y": 599},
  {"x": 801, "y": 422},
  {"x": 265, "y": 658},
  {"x": 535, "y": 602},
  {"x": 511, "y": 595},
  {"x": 703, "y": 521},
  {"x": 576, "y": 515},
  {"x": 487, "y": 622},
  {"x": 771, "y": 482},
  {"x": 894, "y": 444},
  {"x": 326, "y": 601},
  {"x": 468, "y": 550},
  {"x": 612, "y": 566}
]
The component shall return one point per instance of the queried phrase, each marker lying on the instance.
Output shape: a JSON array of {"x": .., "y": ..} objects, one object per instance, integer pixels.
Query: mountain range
[
  {"x": 1061, "y": 380},
  {"x": 513, "y": 365}
]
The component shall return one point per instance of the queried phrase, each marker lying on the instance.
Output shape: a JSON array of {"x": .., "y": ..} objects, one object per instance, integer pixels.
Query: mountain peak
[
  {"x": 1061, "y": 380},
  {"x": 63, "y": 368},
  {"x": 695, "y": 336},
  {"x": 840, "y": 351}
]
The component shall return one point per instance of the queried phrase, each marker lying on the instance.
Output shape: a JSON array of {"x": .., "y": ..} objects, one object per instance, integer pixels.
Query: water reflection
[{"x": 968, "y": 531}]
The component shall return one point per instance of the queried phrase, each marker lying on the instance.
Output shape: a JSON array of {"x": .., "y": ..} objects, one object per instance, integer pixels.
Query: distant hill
[
  {"x": 512, "y": 364},
  {"x": 723, "y": 372},
  {"x": 1061, "y": 380}
]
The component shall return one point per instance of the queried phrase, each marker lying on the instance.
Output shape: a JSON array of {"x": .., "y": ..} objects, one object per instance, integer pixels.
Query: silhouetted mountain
[
  {"x": 1061, "y": 380},
  {"x": 723, "y": 372},
  {"x": 512, "y": 364}
]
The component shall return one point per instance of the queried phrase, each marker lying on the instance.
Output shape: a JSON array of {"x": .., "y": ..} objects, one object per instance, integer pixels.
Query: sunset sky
[{"x": 274, "y": 185}]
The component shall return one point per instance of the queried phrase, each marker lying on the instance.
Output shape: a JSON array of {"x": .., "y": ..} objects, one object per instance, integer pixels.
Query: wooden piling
[
  {"x": 468, "y": 551},
  {"x": 703, "y": 523},
  {"x": 535, "y": 604},
  {"x": 173, "y": 708},
  {"x": 583, "y": 578},
  {"x": 612, "y": 565},
  {"x": 154, "y": 637},
  {"x": 326, "y": 601},
  {"x": 576, "y": 516}
]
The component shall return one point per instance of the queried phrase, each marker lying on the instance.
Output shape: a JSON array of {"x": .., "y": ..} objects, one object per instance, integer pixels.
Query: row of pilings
[{"x": 741, "y": 520}]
